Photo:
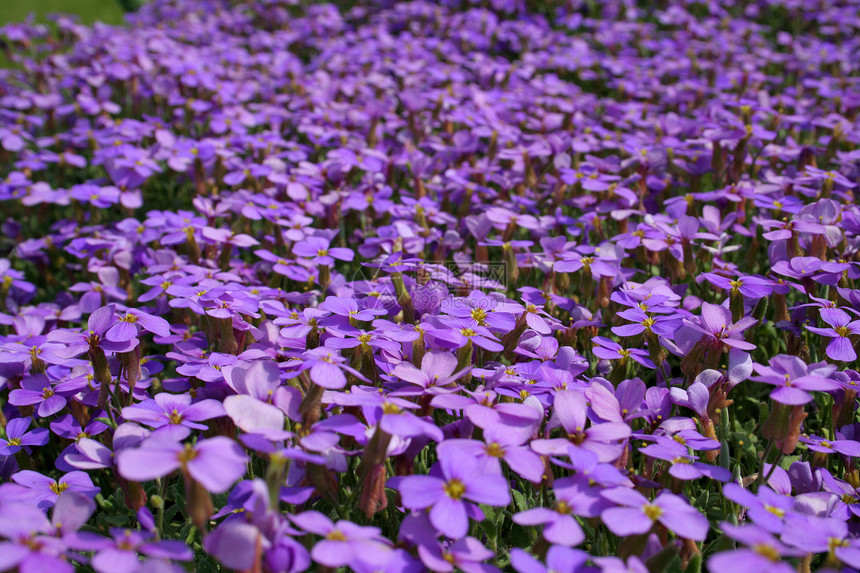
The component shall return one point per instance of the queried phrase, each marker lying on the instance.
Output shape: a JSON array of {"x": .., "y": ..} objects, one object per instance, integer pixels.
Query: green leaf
[
  {"x": 116, "y": 519},
  {"x": 520, "y": 536},
  {"x": 489, "y": 528},
  {"x": 695, "y": 564},
  {"x": 519, "y": 500},
  {"x": 663, "y": 561},
  {"x": 702, "y": 502}
]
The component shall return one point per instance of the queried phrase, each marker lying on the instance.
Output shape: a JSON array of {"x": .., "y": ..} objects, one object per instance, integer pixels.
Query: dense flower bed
[{"x": 419, "y": 286}]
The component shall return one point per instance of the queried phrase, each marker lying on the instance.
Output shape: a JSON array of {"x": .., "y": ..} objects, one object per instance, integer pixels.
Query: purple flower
[
  {"x": 846, "y": 499},
  {"x": 343, "y": 541},
  {"x": 762, "y": 552},
  {"x": 683, "y": 465},
  {"x": 696, "y": 397},
  {"x": 467, "y": 555},
  {"x": 483, "y": 409},
  {"x": 503, "y": 442},
  {"x": 348, "y": 308},
  {"x": 120, "y": 551},
  {"x": 716, "y": 322},
  {"x": 299, "y": 325},
  {"x": 13, "y": 281},
  {"x": 766, "y": 508},
  {"x": 609, "y": 350},
  {"x": 349, "y": 337},
  {"x": 750, "y": 286},
  {"x": 636, "y": 515},
  {"x": 569, "y": 410},
  {"x": 99, "y": 323},
  {"x": 841, "y": 327},
  {"x": 28, "y": 543},
  {"x": 446, "y": 491},
  {"x": 173, "y": 414},
  {"x": 558, "y": 558},
  {"x": 437, "y": 370},
  {"x": 587, "y": 467},
  {"x": 234, "y": 543},
  {"x": 253, "y": 415},
  {"x": 644, "y": 322},
  {"x": 798, "y": 268},
  {"x": 458, "y": 332},
  {"x": 326, "y": 368},
  {"x": 849, "y": 448},
  {"x": 215, "y": 463},
  {"x": 317, "y": 249},
  {"x": 126, "y": 326},
  {"x": 38, "y": 389},
  {"x": 573, "y": 496},
  {"x": 570, "y": 262},
  {"x": 392, "y": 414},
  {"x": 823, "y": 535},
  {"x": 88, "y": 454},
  {"x": 794, "y": 379},
  {"x": 44, "y": 491},
  {"x": 18, "y": 437}
]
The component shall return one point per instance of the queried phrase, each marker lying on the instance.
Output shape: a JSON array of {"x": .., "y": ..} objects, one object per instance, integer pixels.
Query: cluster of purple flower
[{"x": 562, "y": 286}]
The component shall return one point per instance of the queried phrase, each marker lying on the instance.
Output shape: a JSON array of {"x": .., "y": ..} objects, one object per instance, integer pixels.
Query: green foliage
[{"x": 107, "y": 11}]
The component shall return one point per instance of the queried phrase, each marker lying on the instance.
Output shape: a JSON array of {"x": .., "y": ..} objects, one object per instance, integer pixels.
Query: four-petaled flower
[
  {"x": 447, "y": 490},
  {"x": 841, "y": 329}
]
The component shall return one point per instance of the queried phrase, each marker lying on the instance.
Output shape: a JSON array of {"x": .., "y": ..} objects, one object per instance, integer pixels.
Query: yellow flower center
[
  {"x": 577, "y": 437},
  {"x": 454, "y": 489},
  {"x": 187, "y": 455},
  {"x": 495, "y": 450},
  {"x": 774, "y": 510},
  {"x": 652, "y": 511},
  {"x": 768, "y": 551},
  {"x": 389, "y": 408},
  {"x": 58, "y": 487}
]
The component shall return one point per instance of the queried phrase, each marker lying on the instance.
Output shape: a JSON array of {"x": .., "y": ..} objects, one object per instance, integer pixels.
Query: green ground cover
[{"x": 107, "y": 11}]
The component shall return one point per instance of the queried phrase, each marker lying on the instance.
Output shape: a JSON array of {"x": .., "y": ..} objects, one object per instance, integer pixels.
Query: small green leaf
[
  {"x": 519, "y": 500},
  {"x": 695, "y": 564}
]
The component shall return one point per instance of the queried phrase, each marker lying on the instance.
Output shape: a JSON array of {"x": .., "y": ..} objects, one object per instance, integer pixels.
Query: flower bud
[
  {"x": 373, "y": 498},
  {"x": 157, "y": 502},
  {"x": 198, "y": 503},
  {"x": 783, "y": 426},
  {"x": 132, "y": 493}
]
